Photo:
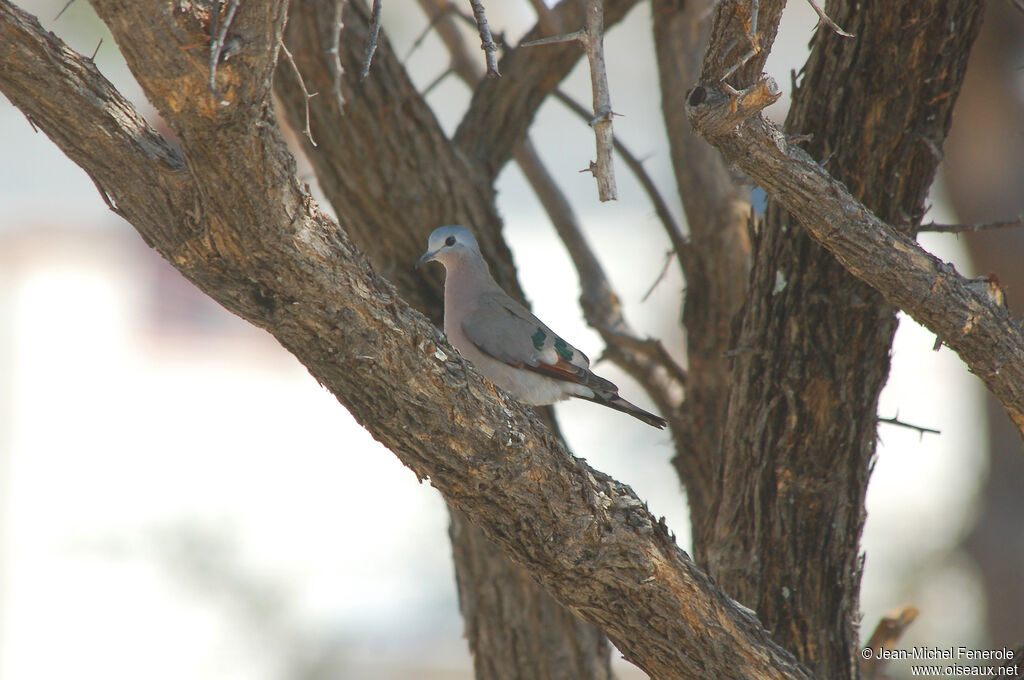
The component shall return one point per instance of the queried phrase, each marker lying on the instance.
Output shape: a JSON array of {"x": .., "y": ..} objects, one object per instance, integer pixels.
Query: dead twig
[
  {"x": 486, "y": 42},
  {"x": 969, "y": 228},
  {"x": 887, "y": 633},
  {"x": 63, "y": 9},
  {"x": 591, "y": 36},
  {"x": 661, "y": 276},
  {"x": 371, "y": 41},
  {"x": 305, "y": 93}
]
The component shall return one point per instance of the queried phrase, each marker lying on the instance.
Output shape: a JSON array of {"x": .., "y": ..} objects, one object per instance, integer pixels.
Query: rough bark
[
  {"x": 235, "y": 220},
  {"x": 514, "y": 627},
  {"x": 814, "y": 342}
]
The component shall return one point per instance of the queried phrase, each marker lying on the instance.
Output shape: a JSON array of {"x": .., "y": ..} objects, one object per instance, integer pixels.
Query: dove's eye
[{"x": 450, "y": 241}]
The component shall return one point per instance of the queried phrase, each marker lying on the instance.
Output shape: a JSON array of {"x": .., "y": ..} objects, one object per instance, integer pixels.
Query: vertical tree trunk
[{"x": 813, "y": 349}]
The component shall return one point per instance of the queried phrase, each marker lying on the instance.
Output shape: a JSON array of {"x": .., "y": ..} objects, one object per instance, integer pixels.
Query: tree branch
[
  {"x": 970, "y": 228},
  {"x": 269, "y": 254},
  {"x": 982, "y": 332},
  {"x": 486, "y": 42}
]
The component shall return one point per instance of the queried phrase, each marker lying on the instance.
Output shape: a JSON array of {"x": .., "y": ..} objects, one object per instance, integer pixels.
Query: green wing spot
[
  {"x": 563, "y": 349},
  {"x": 538, "y": 338}
]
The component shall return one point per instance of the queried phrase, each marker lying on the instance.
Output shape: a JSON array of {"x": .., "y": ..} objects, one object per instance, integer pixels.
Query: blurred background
[{"x": 176, "y": 492}]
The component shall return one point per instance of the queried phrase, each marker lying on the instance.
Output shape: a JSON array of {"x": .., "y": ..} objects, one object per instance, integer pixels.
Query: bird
[{"x": 505, "y": 341}]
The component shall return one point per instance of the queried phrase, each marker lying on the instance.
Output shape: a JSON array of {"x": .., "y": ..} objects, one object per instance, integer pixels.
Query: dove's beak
[{"x": 426, "y": 257}]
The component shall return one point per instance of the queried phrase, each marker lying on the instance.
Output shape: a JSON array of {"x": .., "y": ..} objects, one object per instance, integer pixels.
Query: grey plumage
[{"x": 507, "y": 343}]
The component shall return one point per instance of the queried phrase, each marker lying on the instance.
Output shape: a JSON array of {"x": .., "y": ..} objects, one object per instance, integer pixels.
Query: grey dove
[{"x": 507, "y": 343}]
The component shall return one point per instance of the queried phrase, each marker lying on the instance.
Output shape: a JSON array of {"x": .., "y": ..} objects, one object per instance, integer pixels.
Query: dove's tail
[{"x": 619, "y": 404}]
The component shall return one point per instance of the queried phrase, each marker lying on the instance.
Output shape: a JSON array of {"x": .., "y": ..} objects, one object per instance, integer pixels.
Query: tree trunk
[{"x": 813, "y": 348}]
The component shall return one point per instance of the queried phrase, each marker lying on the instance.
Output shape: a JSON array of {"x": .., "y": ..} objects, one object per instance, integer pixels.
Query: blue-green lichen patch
[{"x": 538, "y": 338}]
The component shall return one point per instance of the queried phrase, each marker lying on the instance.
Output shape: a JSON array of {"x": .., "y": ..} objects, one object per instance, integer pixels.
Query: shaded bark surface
[{"x": 814, "y": 343}]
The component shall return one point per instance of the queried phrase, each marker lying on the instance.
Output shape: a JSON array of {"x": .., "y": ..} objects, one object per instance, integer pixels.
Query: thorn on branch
[
  {"x": 577, "y": 36},
  {"x": 969, "y": 228},
  {"x": 371, "y": 42},
  {"x": 824, "y": 19},
  {"x": 486, "y": 42},
  {"x": 899, "y": 423}
]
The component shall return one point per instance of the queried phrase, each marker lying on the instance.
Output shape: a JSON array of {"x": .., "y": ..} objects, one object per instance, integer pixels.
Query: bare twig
[
  {"x": 661, "y": 276},
  {"x": 334, "y": 62},
  {"x": 899, "y": 423},
  {"x": 371, "y": 42},
  {"x": 486, "y": 42},
  {"x": 825, "y": 19},
  {"x": 305, "y": 93},
  {"x": 577, "y": 36},
  {"x": 92, "y": 57},
  {"x": 968, "y": 228},
  {"x": 592, "y": 39},
  {"x": 679, "y": 241},
  {"x": 602, "y": 122},
  {"x": 219, "y": 32},
  {"x": 887, "y": 633},
  {"x": 437, "y": 81},
  {"x": 63, "y": 9}
]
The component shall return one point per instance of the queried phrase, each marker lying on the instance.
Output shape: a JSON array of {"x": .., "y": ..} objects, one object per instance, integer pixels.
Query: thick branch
[
  {"x": 931, "y": 291},
  {"x": 270, "y": 255}
]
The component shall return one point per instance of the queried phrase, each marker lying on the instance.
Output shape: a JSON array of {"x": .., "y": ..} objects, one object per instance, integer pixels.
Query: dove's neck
[{"x": 466, "y": 279}]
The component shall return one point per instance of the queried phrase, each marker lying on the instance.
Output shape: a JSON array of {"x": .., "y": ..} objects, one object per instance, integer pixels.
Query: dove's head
[{"x": 449, "y": 245}]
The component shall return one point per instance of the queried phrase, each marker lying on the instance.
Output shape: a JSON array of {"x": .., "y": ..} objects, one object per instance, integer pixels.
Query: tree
[{"x": 789, "y": 319}]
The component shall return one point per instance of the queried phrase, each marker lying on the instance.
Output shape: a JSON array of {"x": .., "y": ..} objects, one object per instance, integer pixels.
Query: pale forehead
[{"x": 461, "y": 234}]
